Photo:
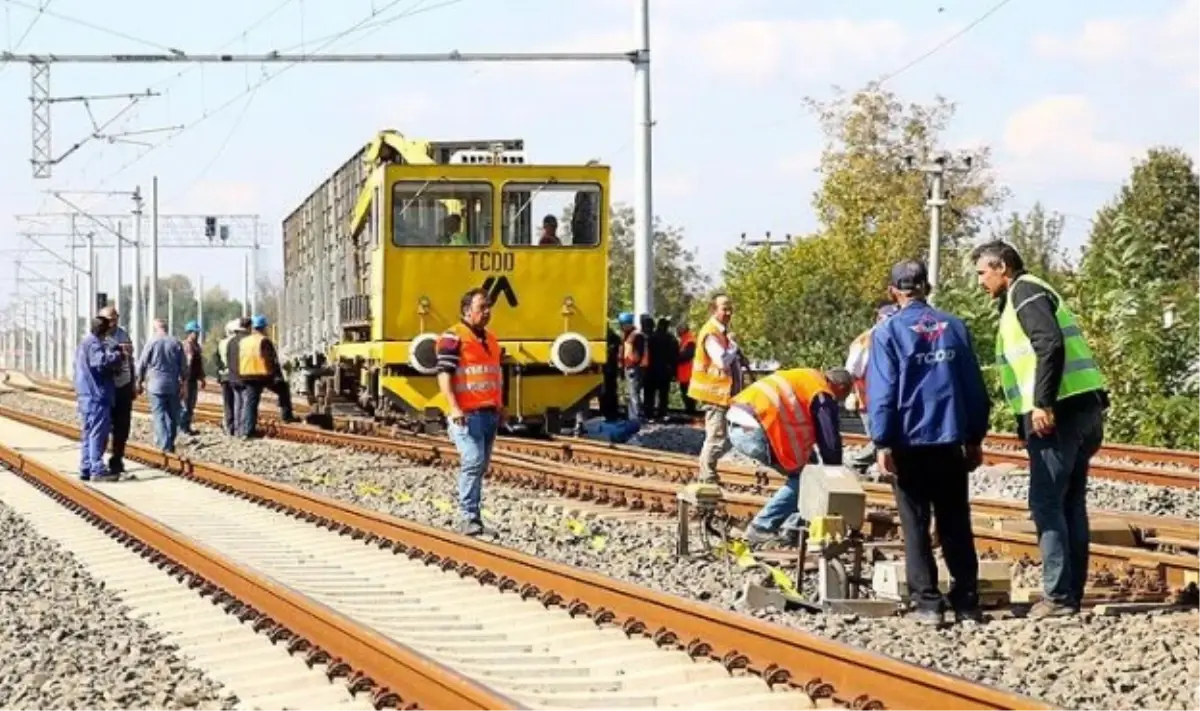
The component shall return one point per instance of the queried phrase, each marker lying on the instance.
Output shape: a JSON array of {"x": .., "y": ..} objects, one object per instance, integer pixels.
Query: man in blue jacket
[
  {"x": 96, "y": 365},
  {"x": 928, "y": 407}
]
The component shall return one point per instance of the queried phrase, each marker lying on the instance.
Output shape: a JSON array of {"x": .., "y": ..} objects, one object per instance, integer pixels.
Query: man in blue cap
[
  {"x": 928, "y": 408},
  {"x": 96, "y": 365},
  {"x": 635, "y": 357},
  {"x": 193, "y": 375}
]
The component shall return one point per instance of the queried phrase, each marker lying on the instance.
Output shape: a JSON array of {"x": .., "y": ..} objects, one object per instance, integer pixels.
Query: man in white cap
[
  {"x": 122, "y": 410},
  {"x": 233, "y": 330}
]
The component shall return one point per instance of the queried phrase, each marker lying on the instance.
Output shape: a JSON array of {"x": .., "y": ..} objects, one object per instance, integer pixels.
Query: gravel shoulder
[
  {"x": 986, "y": 482},
  {"x": 68, "y": 643},
  {"x": 1132, "y": 662}
]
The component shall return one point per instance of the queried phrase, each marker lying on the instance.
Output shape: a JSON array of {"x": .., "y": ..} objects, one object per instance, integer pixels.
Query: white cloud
[
  {"x": 1056, "y": 138},
  {"x": 759, "y": 49},
  {"x": 1166, "y": 43}
]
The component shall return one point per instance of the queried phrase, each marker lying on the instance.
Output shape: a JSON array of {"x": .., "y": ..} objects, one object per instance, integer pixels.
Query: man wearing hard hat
[
  {"x": 635, "y": 359},
  {"x": 233, "y": 330}
]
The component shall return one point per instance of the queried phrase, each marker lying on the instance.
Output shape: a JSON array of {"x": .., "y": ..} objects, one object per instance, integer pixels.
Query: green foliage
[
  {"x": 678, "y": 279},
  {"x": 1135, "y": 291}
]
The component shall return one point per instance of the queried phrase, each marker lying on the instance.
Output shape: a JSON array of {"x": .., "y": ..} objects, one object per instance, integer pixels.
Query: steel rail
[
  {"x": 513, "y": 462},
  {"x": 1006, "y": 449},
  {"x": 823, "y": 668},
  {"x": 396, "y": 674}
]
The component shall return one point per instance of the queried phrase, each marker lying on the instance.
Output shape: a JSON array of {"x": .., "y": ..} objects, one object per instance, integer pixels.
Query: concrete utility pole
[
  {"x": 935, "y": 173},
  {"x": 152, "y": 311},
  {"x": 639, "y": 57}
]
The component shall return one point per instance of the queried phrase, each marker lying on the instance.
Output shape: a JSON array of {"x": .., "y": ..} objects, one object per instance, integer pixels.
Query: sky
[{"x": 1067, "y": 94}]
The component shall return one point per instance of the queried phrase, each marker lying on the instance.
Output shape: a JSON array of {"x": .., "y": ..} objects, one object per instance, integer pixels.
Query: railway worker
[
  {"x": 856, "y": 365},
  {"x": 452, "y": 233},
  {"x": 1058, "y": 395},
  {"x": 609, "y": 397},
  {"x": 683, "y": 367},
  {"x": 778, "y": 421},
  {"x": 635, "y": 358},
  {"x": 233, "y": 330},
  {"x": 124, "y": 394},
  {"x": 193, "y": 375},
  {"x": 549, "y": 236},
  {"x": 664, "y": 353},
  {"x": 928, "y": 408},
  {"x": 646, "y": 329},
  {"x": 97, "y": 362},
  {"x": 471, "y": 380},
  {"x": 716, "y": 378},
  {"x": 163, "y": 363},
  {"x": 258, "y": 368}
]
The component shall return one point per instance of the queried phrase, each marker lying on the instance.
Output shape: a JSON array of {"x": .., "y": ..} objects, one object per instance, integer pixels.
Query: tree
[
  {"x": 802, "y": 304},
  {"x": 678, "y": 279},
  {"x": 1138, "y": 304},
  {"x": 1038, "y": 238}
]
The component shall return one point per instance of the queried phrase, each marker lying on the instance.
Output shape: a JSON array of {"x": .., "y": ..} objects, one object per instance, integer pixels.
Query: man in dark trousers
[
  {"x": 123, "y": 393},
  {"x": 928, "y": 410},
  {"x": 664, "y": 352},
  {"x": 1058, "y": 395},
  {"x": 609, "y": 397}
]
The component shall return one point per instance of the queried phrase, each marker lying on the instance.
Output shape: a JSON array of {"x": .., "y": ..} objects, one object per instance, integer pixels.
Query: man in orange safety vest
[{"x": 782, "y": 421}]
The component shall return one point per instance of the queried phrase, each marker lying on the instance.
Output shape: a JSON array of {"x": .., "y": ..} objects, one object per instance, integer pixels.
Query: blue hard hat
[
  {"x": 625, "y": 318},
  {"x": 259, "y": 321},
  {"x": 192, "y": 327}
]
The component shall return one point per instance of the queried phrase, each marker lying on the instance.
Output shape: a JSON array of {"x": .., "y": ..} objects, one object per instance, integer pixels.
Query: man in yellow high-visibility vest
[{"x": 1054, "y": 387}]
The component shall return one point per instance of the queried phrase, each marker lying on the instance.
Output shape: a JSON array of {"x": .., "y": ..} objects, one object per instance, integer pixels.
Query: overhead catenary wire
[{"x": 269, "y": 77}]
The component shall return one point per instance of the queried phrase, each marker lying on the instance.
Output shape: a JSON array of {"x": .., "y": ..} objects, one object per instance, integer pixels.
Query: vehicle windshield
[
  {"x": 551, "y": 214},
  {"x": 441, "y": 213}
]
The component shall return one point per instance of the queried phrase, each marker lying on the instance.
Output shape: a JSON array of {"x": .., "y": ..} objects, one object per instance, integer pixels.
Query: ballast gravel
[
  {"x": 66, "y": 642},
  {"x": 1088, "y": 661},
  {"x": 986, "y": 482}
]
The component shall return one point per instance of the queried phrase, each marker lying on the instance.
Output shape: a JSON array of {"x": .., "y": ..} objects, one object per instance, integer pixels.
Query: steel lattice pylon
[{"x": 39, "y": 101}]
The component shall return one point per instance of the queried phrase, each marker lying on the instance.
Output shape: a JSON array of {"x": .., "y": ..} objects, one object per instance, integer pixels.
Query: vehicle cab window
[
  {"x": 549, "y": 215},
  {"x": 441, "y": 214}
]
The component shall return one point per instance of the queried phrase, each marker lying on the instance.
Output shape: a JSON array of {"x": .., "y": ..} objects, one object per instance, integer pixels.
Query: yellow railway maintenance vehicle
[{"x": 377, "y": 259}]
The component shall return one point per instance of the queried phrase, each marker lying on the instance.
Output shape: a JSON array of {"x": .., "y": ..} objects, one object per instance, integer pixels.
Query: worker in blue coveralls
[{"x": 96, "y": 365}]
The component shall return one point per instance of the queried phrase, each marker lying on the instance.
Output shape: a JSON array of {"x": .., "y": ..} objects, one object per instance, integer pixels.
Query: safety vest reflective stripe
[
  {"x": 683, "y": 371},
  {"x": 478, "y": 381},
  {"x": 1017, "y": 361},
  {"x": 251, "y": 363},
  {"x": 710, "y": 382}
]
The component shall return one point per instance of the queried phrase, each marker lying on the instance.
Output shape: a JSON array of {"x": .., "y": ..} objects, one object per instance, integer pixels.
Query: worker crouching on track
[
  {"x": 472, "y": 382},
  {"x": 162, "y": 363},
  {"x": 96, "y": 364},
  {"x": 124, "y": 390},
  {"x": 193, "y": 380},
  {"x": 929, "y": 414},
  {"x": 778, "y": 421},
  {"x": 716, "y": 378},
  {"x": 1058, "y": 395},
  {"x": 229, "y": 411}
]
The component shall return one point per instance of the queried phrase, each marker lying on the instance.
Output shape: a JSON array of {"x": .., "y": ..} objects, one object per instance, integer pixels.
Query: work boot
[
  {"x": 930, "y": 618},
  {"x": 969, "y": 614},
  {"x": 756, "y": 536},
  {"x": 471, "y": 528},
  {"x": 1048, "y": 608}
]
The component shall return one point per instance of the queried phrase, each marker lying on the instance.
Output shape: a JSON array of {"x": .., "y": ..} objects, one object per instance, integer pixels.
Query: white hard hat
[{"x": 231, "y": 327}]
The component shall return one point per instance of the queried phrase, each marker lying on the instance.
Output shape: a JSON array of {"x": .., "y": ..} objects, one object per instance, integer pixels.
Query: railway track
[
  {"x": 420, "y": 617},
  {"x": 569, "y": 467},
  {"x": 1118, "y": 462}
]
